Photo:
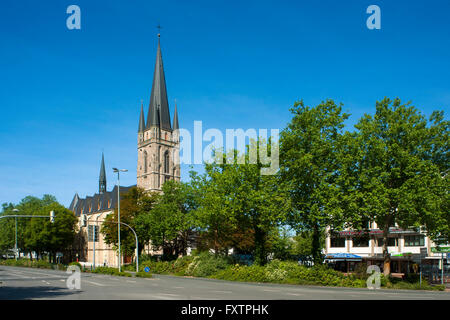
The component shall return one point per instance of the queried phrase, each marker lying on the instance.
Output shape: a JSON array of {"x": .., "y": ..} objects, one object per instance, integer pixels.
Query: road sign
[{"x": 147, "y": 269}]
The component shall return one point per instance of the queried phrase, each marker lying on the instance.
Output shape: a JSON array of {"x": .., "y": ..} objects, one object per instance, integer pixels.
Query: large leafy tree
[
  {"x": 216, "y": 225},
  {"x": 38, "y": 235},
  {"x": 7, "y": 227},
  {"x": 309, "y": 166},
  {"x": 241, "y": 199},
  {"x": 169, "y": 223},
  {"x": 52, "y": 237},
  {"x": 134, "y": 203},
  {"x": 395, "y": 171}
]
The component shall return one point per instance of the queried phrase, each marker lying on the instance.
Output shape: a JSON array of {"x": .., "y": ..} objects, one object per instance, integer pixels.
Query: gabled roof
[{"x": 98, "y": 202}]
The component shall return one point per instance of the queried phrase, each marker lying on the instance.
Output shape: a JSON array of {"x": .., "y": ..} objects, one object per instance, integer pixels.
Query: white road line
[
  {"x": 19, "y": 275},
  {"x": 132, "y": 281},
  {"x": 43, "y": 274},
  {"x": 96, "y": 283},
  {"x": 162, "y": 297},
  {"x": 170, "y": 294},
  {"x": 221, "y": 291},
  {"x": 46, "y": 282},
  {"x": 271, "y": 290},
  {"x": 295, "y": 294}
]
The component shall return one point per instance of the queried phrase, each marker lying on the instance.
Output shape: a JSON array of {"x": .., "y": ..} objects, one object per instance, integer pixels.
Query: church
[{"x": 158, "y": 151}]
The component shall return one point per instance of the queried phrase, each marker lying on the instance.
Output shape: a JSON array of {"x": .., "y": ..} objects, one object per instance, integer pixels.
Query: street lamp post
[
  {"x": 118, "y": 206},
  {"x": 16, "y": 250}
]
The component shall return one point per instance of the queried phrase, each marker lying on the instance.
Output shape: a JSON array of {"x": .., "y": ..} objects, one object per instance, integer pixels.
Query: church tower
[{"x": 158, "y": 141}]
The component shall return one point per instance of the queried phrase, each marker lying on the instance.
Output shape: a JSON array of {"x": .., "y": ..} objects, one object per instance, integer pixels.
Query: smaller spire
[
  {"x": 175, "y": 117},
  {"x": 141, "y": 119},
  {"x": 102, "y": 178}
]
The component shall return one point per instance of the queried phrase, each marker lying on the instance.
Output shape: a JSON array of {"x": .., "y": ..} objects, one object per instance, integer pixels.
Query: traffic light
[{"x": 52, "y": 216}]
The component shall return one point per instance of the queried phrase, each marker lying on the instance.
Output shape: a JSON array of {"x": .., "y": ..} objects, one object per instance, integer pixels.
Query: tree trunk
[
  {"x": 386, "y": 255},
  {"x": 260, "y": 250},
  {"x": 316, "y": 248}
]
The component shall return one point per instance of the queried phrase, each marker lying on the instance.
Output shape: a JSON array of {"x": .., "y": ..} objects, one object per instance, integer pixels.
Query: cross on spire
[{"x": 159, "y": 30}]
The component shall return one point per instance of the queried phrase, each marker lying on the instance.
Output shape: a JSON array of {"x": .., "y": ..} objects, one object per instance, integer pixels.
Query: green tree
[
  {"x": 214, "y": 220},
  {"x": 303, "y": 243},
  {"x": 309, "y": 165},
  {"x": 7, "y": 227},
  {"x": 169, "y": 223},
  {"x": 134, "y": 203},
  {"x": 251, "y": 202},
  {"x": 395, "y": 171}
]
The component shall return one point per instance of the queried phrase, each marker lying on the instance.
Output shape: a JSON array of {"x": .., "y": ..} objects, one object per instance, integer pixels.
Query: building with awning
[
  {"x": 345, "y": 262},
  {"x": 342, "y": 257}
]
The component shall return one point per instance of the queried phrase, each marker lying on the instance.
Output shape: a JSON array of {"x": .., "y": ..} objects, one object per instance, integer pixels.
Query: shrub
[
  {"x": 181, "y": 264},
  {"x": 76, "y": 264},
  {"x": 206, "y": 264},
  {"x": 106, "y": 270},
  {"x": 141, "y": 274}
]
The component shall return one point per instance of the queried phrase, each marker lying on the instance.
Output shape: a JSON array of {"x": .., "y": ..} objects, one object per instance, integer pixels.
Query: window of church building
[
  {"x": 159, "y": 154},
  {"x": 362, "y": 241},
  {"x": 392, "y": 242},
  {"x": 166, "y": 162},
  {"x": 414, "y": 241},
  {"x": 337, "y": 242},
  {"x": 91, "y": 234}
]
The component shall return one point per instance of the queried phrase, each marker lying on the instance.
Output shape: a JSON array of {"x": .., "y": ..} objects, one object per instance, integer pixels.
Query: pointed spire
[
  {"x": 175, "y": 118},
  {"x": 102, "y": 178},
  {"x": 158, "y": 109},
  {"x": 141, "y": 119}
]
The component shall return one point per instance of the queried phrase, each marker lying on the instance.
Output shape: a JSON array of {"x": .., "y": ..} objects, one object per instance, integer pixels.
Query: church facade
[{"x": 158, "y": 154}]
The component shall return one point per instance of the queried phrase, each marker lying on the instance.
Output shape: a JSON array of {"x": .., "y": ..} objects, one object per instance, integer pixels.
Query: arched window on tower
[
  {"x": 166, "y": 162},
  {"x": 145, "y": 161}
]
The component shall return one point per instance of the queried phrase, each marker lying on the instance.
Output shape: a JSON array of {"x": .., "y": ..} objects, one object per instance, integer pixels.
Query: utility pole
[{"x": 118, "y": 206}]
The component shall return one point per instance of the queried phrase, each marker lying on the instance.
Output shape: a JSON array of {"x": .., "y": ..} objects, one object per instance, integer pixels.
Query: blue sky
[{"x": 67, "y": 95}]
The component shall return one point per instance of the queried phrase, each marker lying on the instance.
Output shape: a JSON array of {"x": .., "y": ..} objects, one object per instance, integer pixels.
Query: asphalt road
[{"x": 26, "y": 283}]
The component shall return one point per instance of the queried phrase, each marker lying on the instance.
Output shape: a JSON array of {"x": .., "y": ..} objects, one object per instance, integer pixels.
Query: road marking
[
  {"x": 178, "y": 288},
  {"x": 170, "y": 294},
  {"x": 271, "y": 290},
  {"x": 162, "y": 297},
  {"x": 132, "y": 281},
  {"x": 221, "y": 291},
  {"x": 96, "y": 283},
  {"x": 46, "y": 282},
  {"x": 295, "y": 294},
  {"x": 19, "y": 275}
]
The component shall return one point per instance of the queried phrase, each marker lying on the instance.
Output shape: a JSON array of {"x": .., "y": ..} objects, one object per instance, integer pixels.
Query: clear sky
[{"x": 67, "y": 95}]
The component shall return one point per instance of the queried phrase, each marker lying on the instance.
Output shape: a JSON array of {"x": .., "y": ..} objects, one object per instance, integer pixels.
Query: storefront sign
[{"x": 373, "y": 231}]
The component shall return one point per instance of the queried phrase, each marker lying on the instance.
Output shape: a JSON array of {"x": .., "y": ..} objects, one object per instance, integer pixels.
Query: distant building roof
[{"x": 97, "y": 202}]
